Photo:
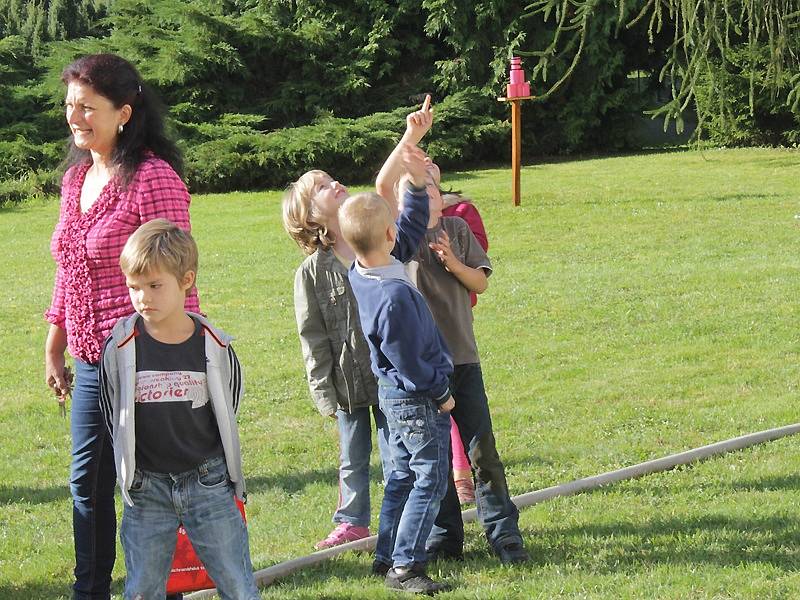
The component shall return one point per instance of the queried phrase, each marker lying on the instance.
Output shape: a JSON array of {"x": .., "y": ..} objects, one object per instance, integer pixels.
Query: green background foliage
[{"x": 260, "y": 90}]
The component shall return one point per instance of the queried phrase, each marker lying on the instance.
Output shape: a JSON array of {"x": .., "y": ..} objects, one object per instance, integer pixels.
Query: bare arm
[
  {"x": 417, "y": 125},
  {"x": 56, "y": 375}
]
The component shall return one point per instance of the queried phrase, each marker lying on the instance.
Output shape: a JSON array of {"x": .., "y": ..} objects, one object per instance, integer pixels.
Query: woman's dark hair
[{"x": 118, "y": 80}]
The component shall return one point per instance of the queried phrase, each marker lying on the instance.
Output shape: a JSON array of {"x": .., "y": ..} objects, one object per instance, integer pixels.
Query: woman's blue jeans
[{"x": 92, "y": 483}]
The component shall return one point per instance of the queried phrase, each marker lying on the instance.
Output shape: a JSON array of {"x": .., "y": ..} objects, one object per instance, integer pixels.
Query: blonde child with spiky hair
[{"x": 411, "y": 361}]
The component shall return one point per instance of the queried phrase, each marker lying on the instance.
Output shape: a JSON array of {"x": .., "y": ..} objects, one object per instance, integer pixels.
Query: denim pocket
[
  {"x": 139, "y": 481},
  {"x": 412, "y": 423},
  {"x": 213, "y": 477}
]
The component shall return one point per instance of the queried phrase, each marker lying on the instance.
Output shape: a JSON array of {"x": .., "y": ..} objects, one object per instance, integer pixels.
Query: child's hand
[
  {"x": 444, "y": 252},
  {"x": 419, "y": 122},
  {"x": 414, "y": 163},
  {"x": 447, "y": 406}
]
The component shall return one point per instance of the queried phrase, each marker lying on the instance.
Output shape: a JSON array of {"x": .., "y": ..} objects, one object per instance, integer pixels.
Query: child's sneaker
[
  {"x": 414, "y": 581},
  {"x": 465, "y": 489},
  {"x": 343, "y": 533}
]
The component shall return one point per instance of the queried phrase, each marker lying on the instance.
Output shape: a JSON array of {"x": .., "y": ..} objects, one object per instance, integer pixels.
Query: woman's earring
[{"x": 119, "y": 129}]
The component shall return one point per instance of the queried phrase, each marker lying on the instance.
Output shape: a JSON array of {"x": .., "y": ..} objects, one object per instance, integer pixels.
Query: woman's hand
[{"x": 57, "y": 375}]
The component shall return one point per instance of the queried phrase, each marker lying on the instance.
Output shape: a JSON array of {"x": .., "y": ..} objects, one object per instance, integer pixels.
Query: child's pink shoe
[{"x": 343, "y": 533}]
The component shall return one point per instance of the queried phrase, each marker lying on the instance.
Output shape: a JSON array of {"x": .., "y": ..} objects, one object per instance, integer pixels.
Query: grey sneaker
[{"x": 413, "y": 581}]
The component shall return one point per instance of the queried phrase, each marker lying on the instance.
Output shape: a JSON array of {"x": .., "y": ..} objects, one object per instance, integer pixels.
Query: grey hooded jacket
[{"x": 118, "y": 383}]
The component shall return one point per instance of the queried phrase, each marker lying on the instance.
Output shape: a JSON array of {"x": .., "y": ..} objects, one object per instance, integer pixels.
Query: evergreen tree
[
  {"x": 736, "y": 63},
  {"x": 42, "y": 21}
]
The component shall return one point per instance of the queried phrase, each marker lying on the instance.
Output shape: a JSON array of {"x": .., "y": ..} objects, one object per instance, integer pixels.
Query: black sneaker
[
  {"x": 434, "y": 553},
  {"x": 380, "y": 568},
  {"x": 513, "y": 553},
  {"x": 413, "y": 581}
]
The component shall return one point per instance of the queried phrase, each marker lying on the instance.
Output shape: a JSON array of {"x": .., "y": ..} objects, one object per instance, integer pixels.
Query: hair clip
[{"x": 140, "y": 89}]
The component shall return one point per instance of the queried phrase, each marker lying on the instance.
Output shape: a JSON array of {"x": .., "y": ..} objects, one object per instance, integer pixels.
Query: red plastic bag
[{"x": 188, "y": 574}]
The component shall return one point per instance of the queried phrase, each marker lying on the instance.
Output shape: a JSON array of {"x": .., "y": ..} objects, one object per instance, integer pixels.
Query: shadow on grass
[
  {"x": 642, "y": 487},
  {"x": 292, "y": 482},
  {"x": 26, "y": 205},
  {"x": 610, "y": 548},
  {"x": 764, "y": 484},
  {"x": 36, "y": 591},
  {"x": 736, "y": 197},
  {"x": 789, "y": 159},
  {"x": 14, "y": 494},
  {"x": 713, "y": 539}
]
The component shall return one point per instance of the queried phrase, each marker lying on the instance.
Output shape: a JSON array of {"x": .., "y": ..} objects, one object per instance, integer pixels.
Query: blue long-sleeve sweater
[
  {"x": 406, "y": 348},
  {"x": 412, "y": 223}
]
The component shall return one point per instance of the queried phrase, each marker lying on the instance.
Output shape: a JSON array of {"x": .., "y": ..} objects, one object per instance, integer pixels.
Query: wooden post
[
  {"x": 516, "y": 144},
  {"x": 516, "y": 149}
]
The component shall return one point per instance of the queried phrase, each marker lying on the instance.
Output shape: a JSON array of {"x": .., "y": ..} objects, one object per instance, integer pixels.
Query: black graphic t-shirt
[{"x": 175, "y": 425}]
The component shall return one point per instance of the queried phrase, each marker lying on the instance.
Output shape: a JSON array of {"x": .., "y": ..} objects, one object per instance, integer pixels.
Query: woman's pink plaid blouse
[{"x": 90, "y": 294}]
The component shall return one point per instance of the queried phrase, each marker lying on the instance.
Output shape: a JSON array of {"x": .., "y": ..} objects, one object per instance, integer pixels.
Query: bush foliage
[{"x": 235, "y": 157}]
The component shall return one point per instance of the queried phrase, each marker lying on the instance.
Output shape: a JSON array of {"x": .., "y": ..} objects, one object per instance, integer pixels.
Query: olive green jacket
[{"x": 334, "y": 349}]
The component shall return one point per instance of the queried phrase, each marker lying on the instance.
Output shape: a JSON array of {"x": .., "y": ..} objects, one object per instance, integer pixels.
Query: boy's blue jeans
[
  {"x": 419, "y": 442},
  {"x": 201, "y": 499},
  {"x": 496, "y": 512},
  {"x": 93, "y": 480},
  {"x": 355, "y": 447}
]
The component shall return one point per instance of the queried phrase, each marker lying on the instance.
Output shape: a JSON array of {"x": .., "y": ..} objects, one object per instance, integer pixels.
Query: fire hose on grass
[{"x": 266, "y": 576}]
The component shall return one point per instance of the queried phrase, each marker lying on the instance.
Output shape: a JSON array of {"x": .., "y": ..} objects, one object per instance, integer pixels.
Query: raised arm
[
  {"x": 413, "y": 220},
  {"x": 417, "y": 125}
]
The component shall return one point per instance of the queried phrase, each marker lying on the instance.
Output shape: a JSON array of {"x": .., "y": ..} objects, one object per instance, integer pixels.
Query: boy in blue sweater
[{"x": 412, "y": 364}]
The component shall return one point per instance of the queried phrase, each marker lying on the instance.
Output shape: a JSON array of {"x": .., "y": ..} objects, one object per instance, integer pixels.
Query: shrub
[
  {"x": 229, "y": 155},
  {"x": 19, "y": 156},
  {"x": 723, "y": 96},
  {"x": 33, "y": 184}
]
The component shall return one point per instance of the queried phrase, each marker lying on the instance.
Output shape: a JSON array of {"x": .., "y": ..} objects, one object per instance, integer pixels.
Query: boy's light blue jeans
[
  {"x": 202, "y": 499},
  {"x": 419, "y": 441},
  {"x": 355, "y": 447}
]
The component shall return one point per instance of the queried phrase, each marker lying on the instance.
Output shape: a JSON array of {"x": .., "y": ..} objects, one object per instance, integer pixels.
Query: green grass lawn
[{"x": 639, "y": 306}]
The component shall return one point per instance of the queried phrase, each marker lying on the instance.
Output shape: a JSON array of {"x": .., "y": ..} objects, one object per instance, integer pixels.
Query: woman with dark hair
[{"x": 121, "y": 171}]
